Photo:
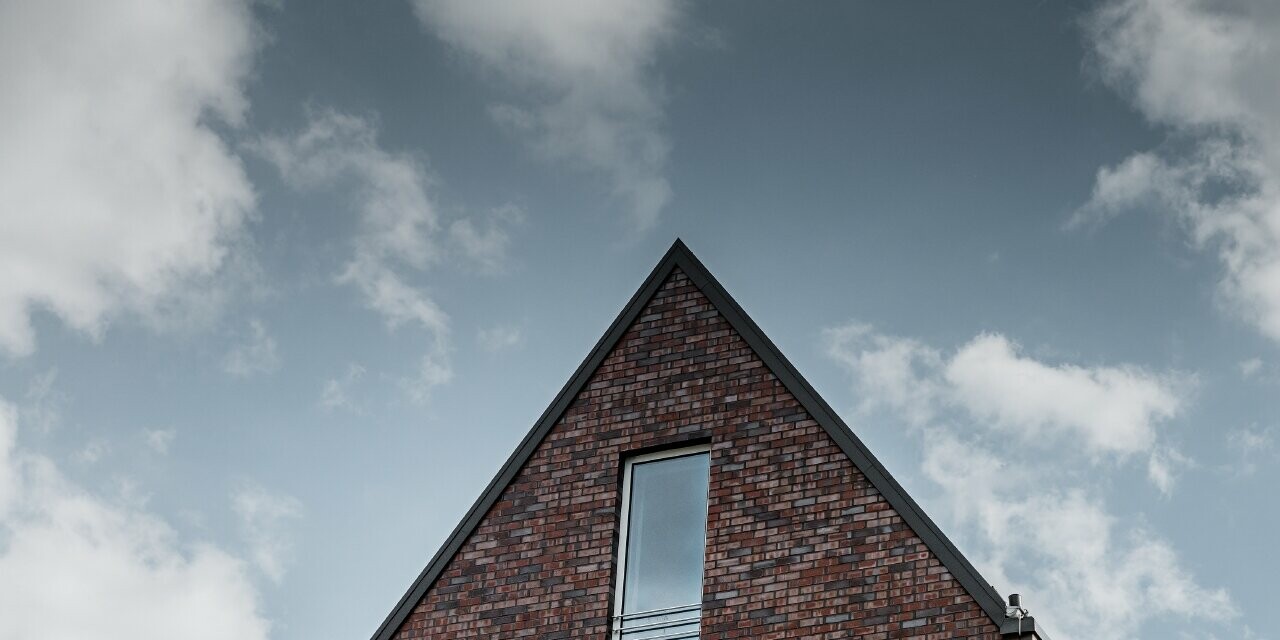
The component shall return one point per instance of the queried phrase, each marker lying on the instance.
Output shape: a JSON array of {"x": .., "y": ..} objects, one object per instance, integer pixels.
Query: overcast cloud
[
  {"x": 1039, "y": 525},
  {"x": 120, "y": 197},
  {"x": 594, "y": 99},
  {"x": 1206, "y": 73},
  {"x": 77, "y": 564},
  {"x": 416, "y": 185}
]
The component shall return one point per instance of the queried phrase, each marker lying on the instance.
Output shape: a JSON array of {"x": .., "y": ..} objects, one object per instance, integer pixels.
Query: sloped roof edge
[{"x": 679, "y": 256}]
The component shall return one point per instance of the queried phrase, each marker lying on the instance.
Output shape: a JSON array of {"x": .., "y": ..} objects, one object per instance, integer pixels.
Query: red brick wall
[{"x": 800, "y": 545}]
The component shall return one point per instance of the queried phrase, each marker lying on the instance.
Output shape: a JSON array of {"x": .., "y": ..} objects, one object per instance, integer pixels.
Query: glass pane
[{"x": 666, "y": 537}]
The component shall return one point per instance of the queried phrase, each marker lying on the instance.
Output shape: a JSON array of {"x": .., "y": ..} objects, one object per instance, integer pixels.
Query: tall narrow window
[{"x": 663, "y": 545}]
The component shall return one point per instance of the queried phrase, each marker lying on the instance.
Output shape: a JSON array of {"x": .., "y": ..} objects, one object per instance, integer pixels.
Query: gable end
[{"x": 680, "y": 258}]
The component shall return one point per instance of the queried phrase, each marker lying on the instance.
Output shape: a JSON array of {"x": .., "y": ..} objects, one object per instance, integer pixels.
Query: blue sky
[{"x": 284, "y": 283}]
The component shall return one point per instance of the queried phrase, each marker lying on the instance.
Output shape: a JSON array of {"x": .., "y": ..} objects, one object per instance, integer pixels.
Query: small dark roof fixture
[
  {"x": 1015, "y": 610},
  {"x": 1016, "y": 613}
]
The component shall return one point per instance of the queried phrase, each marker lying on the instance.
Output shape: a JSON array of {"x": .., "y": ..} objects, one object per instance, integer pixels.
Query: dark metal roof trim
[
  {"x": 1027, "y": 630},
  {"x": 679, "y": 256}
]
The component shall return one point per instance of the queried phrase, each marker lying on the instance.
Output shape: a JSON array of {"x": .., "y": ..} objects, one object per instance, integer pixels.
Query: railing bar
[
  {"x": 692, "y": 634},
  {"x": 688, "y": 617},
  {"x": 625, "y": 632},
  {"x": 651, "y": 612},
  {"x": 663, "y": 624}
]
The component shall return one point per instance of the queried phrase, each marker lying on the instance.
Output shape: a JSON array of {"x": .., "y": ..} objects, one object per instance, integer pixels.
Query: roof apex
[{"x": 680, "y": 256}]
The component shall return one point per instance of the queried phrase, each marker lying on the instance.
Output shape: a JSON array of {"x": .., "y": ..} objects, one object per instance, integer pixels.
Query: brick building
[{"x": 688, "y": 483}]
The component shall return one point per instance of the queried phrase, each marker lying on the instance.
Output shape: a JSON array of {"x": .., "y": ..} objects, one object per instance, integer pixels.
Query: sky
[{"x": 282, "y": 283}]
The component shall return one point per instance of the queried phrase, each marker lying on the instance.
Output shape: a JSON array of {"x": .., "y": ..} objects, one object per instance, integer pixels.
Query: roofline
[
  {"x": 1025, "y": 629},
  {"x": 679, "y": 256}
]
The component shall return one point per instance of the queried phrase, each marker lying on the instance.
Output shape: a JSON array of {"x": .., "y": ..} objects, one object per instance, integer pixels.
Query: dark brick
[{"x": 800, "y": 544}]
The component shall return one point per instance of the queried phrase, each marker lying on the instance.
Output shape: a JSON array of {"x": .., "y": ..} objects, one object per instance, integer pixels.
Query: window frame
[{"x": 624, "y": 520}]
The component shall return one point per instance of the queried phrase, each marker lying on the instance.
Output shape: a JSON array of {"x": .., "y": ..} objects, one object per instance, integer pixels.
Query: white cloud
[
  {"x": 93, "y": 451},
  {"x": 1250, "y": 367},
  {"x": 116, "y": 193},
  {"x": 42, "y": 405},
  {"x": 1203, "y": 71},
  {"x": 1020, "y": 450},
  {"x": 257, "y": 354},
  {"x": 1087, "y": 575},
  {"x": 1163, "y": 468},
  {"x": 433, "y": 371},
  {"x": 1251, "y": 444},
  {"x": 486, "y": 244},
  {"x": 8, "y": 470},
  {"x": 78, "y": 566},
  {"x": 1189, "y": 62},
  {"x": 897, "y": 373},
  {"x": 399, "y": 223},
  {"x": 159, "y": 440},
  {"x": 400, "y": 232},
  {"x": 398, "y": 301},
  {"x": 1113, "y": 410},
  {"x": 397, "y": 217},
  {"x": 593, "y": 99},
  {"x": 336, "y": 393},
  {"x": 263, "y": 520},
  {"x": 499, "y": 337}
]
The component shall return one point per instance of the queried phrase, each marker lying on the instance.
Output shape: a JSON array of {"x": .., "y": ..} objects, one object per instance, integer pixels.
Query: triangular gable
[{"x": 680, "y": 258}]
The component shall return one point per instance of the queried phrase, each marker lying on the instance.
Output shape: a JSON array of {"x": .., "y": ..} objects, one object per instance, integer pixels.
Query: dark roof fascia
[
  {"x": 531, "y": 441},
  {"x": 680, "y": 256},
  {"x": 880, "y": 478},
  {"x": 1027, "y": 630}
]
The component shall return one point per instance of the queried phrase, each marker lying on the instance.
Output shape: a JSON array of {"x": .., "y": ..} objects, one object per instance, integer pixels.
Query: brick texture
[{"x": 800, "y": 545}]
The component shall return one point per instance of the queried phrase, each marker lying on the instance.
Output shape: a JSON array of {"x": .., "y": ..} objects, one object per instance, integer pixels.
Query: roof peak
[{"x": 679, "y": 256}]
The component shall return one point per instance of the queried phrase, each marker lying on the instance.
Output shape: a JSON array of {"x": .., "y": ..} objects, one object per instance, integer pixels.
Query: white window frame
[{"x": 624, "y": 522}]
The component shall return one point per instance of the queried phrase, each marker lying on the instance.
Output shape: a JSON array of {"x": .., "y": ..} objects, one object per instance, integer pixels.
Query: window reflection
[{"x": 665, "y": 547}]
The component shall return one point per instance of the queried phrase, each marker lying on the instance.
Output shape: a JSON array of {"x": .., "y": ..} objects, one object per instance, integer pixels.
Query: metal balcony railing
[{"x": 672, "y": 623}]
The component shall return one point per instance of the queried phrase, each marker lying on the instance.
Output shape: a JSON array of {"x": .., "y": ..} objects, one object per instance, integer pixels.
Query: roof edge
[
  {"x": 937, "y": 542},
  {"x": 525, "y": 449},
  {"x": 1024, "y": 629},
  {"x": 680, "y": 256}
]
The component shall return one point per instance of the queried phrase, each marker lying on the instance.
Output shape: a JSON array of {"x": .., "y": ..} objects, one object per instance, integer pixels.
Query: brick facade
[{"x": 800, "y": 544}]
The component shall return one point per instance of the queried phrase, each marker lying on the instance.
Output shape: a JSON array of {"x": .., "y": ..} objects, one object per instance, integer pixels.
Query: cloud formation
[
  {"x": 76, "y": 565},
  {"x": 256, "y": 355},
  {"x": 159, "y": 440},
  {"x": 1204, "y": 72},
  {"x": 486, "y": 243},
  {"x": 1109, "y": 409},
  {"x": 499, "y": 337},
  {"x": 1254, "y": 446},
  {"x": 1103, "y": 410},
  {"x": 1090, "y": 576},
  {"x": 336, "y": 393},
  {"x": 264, "y": 518},
  {"x": 584, "y": 70},
  {"x": 1005, "y": 436},
  {"x": 116, "y": 194},
  {"x": 398, "y": 222},
  {"x": 400, "y": 229},
  {"x": 43, "y": 402}
]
